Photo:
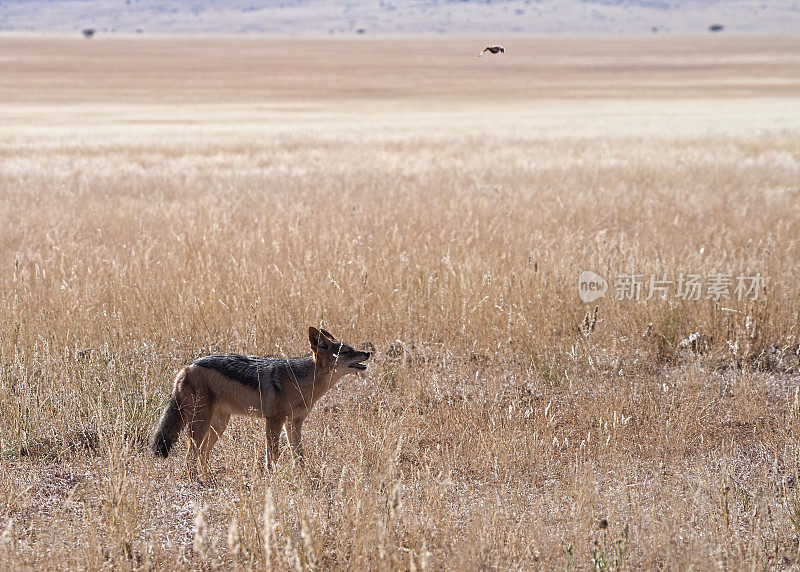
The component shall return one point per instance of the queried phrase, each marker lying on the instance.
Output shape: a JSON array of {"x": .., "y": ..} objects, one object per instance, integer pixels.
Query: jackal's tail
[{"x": 171, "y": 422}]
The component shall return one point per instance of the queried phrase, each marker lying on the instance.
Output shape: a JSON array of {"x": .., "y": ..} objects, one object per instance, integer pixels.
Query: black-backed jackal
[{"x": 281, "y": 390}]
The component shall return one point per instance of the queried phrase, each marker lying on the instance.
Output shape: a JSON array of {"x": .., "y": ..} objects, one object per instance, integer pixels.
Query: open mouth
[{"x": 358, "y": 365}]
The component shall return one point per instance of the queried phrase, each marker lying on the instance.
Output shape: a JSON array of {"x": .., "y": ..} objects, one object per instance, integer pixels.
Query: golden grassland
[{"x": 166, "y": 198}]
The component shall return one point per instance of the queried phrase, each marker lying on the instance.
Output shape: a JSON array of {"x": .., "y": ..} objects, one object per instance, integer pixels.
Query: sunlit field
[{"x": 162, "y": 199}]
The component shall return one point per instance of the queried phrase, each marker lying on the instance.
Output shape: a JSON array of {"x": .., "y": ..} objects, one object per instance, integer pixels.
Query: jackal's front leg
[
  {"x": 274, "y": 429},
  {"x": 293, "y": 428}
]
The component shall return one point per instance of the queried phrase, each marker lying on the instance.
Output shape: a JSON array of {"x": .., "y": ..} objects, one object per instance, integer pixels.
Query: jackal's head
[
  {"x": 335, "y": 356},
  {"x": 332, "y": 355}
]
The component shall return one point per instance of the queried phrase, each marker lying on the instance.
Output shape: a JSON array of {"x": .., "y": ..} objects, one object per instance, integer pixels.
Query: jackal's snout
[
  {"x": 362, "y": 355},
  {"x": 358, "y": 359}
]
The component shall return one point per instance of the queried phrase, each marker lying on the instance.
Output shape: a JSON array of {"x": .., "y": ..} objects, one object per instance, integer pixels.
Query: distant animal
[
  {"x": 493, "y": 49},
  {"x": 716, "y": 28},
  {"x": 88, "y": 33},
  {"x": 280, "y": 390}
]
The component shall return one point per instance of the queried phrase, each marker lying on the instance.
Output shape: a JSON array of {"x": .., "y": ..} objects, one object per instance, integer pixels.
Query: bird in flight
[{"x": 493, "y": 49}]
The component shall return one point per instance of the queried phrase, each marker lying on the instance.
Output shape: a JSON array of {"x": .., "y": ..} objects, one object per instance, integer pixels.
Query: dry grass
[{"x": 162, "y": 199}]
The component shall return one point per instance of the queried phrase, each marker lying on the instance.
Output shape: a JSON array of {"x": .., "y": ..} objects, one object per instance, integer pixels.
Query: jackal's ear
[
  {"x": 328, "y": 335},
  {"x": 317, "y": 339}
]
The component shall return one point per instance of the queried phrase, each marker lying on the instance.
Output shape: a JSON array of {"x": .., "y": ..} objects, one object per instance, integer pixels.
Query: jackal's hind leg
[
  {"x": 218, "y": 423},
  {"x": 198, "y": 435}
]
